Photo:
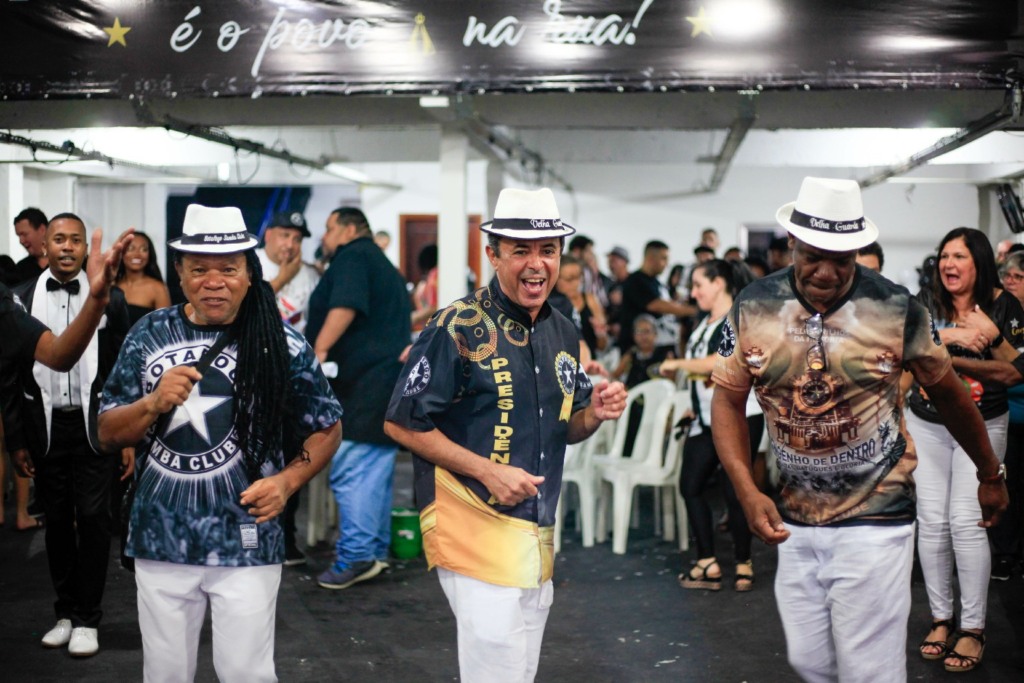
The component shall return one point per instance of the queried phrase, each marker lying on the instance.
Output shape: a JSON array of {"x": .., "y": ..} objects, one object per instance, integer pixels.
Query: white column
[
  {"x": 12, "y": 200},
  {"x": 452, "y": 245},
  {"x": 154, "y": 220},
  {"x": 495, "y": 183}
]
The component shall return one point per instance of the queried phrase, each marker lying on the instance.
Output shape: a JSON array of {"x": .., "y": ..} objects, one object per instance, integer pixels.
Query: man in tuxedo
[{"x": 55, "y": 438}]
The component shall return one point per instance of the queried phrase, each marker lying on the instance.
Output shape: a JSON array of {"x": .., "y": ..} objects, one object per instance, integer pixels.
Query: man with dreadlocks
[{"x": 211, "y": 447}]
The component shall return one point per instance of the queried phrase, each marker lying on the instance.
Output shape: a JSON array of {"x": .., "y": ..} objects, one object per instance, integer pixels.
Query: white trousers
[
  {"x": 844, "y": 597},
  {"x": 500, "y": 628},
  {"x": 172, "y": 604},
  {"x": 948, "y": 513}
]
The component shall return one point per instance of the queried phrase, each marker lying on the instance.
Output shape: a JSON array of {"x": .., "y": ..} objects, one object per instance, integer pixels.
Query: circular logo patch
[{"x": 418, "y": 379}]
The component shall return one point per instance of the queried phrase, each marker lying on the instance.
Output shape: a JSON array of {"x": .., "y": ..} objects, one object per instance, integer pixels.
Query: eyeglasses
[
  {"x": 814, "y": 328},
  {"x": 1016, "y": 278}
]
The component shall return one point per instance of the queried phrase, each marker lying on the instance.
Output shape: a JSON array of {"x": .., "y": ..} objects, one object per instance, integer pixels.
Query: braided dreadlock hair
[
  {"x": 261, "y": 402},
  {"x": 261, "y": 379}
]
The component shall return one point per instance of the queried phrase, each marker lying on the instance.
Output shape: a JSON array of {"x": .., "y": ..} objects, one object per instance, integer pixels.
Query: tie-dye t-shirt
[
  {"x": 190, "y": 478},
  {"x": 839, "y": 452}
]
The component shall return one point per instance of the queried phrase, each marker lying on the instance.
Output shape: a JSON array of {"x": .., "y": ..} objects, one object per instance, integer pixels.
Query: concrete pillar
[
  {"x": 452, "y": 246},
  {"x": 495, "y": 183},
  {"x": 12, "y": 201}
]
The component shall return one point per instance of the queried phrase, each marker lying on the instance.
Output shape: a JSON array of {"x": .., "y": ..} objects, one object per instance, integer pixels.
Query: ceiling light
[
  {"x": 434, "y": 101},
  {"x": 346, "y": 173}
]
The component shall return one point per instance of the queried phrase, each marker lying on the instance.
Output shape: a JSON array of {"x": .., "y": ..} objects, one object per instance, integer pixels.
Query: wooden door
[{"x": 418, "y": 230}]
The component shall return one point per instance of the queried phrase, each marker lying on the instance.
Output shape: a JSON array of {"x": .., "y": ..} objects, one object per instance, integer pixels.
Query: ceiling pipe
[
  {"x": 69, "y": 149},
  {"x": 494, "y": 143},
  {"x": 996, "y": 120},
  {"x": 221, "y": 137},
  {"x": 737, "y": 132}
]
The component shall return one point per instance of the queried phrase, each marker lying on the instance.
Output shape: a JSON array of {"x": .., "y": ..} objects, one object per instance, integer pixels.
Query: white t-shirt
[{"x": 293, "y": 299}]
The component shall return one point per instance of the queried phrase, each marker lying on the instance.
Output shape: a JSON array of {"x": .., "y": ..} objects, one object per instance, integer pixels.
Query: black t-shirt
[
  {"x": 639, "y": 290},
  {"x": 990, "y": 397},
  {"x": 363, "y": 279},
  {"x": 24, "y": 270},
  {"x": 21, "y": 331}
]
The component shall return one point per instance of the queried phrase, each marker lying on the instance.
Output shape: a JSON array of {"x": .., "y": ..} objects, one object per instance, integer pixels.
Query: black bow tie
[{"x": 53, "y": 284}]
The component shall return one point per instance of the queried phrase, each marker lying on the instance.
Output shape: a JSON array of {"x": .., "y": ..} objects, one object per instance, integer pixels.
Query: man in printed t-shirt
[
  {"x": 492, "y": 392},
  {"x": 823, "y": 345},
  {"x": 211, "y": 452}
]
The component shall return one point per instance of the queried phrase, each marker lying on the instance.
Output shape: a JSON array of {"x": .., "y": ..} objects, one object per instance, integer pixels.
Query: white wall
[{"x": 911, "y": 218}]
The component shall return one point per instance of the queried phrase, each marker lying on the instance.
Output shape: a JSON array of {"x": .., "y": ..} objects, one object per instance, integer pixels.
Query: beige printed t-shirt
[{"x": 839, "y": 451}]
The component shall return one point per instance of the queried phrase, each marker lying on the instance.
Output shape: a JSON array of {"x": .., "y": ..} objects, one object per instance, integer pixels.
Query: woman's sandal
[
  {"x": 698, "y": 577},
  {"x": 744, "y": 582},
  {"x": 943, "y": 645},
  {"x": 968, "y": 661}
]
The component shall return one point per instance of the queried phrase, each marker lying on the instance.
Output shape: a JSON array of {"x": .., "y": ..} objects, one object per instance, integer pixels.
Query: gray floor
[{"x": 615, "y": 618}]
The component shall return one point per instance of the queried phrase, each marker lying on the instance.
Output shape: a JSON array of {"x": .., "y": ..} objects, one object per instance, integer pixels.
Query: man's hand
[
  {"x": 994, "y": 499},
  {"x": 287, "y": 271},
  {"x": 511, "y": 485},
  {"x": 23, "y": 463},
  {"x": 608, "y": 400},
  {"x": 763, "y": 519},
  {"x": 127, "y": 462},
  {"x": 174, "y": 388},
  {"x": 265, "y": 498},
  {"x": 101, "y": 267}
]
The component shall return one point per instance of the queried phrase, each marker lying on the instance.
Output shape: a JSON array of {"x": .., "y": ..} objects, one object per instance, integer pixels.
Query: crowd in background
[{"x": 637, "y": 320}]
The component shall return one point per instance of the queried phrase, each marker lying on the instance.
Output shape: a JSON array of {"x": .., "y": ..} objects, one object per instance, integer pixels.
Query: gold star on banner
[
  {"x": 116, "y": 32},
  {"x": 701, "y": 23}
]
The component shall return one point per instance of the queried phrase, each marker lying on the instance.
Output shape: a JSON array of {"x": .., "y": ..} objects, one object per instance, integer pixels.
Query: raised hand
[{"x": 102, "y": 265}]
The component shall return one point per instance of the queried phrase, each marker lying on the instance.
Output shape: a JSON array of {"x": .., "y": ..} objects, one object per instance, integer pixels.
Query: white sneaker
[
  {"x": 59, "y": 635},
  {"x": 84, "y": 642}
]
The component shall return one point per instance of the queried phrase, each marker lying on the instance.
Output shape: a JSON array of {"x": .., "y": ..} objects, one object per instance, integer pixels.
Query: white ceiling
[{"x": 611, "y": 136}]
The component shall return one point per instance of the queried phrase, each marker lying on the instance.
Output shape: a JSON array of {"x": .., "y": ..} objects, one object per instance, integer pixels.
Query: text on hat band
[
  {"x": 826, "y": 225},
  {"x": 215, "y": 239}
]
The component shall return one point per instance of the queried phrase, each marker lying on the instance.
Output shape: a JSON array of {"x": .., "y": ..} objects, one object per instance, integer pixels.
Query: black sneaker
[
  {"x": 1002, "y": 567},
  {"x": 293, "y": 557},
  {"x": 336, "y": 579}
]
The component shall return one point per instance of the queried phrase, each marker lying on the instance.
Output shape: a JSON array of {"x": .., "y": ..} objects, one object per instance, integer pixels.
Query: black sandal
[
  {"x": 943, "y": 645},
  {"x": 971, "y": 661},
  {"x": 701, "y": 578},
  {"x": 744, "y": 582}
]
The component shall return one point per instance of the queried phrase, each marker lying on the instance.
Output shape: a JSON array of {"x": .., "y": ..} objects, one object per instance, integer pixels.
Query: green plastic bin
[{"x": 406, "y": 537}]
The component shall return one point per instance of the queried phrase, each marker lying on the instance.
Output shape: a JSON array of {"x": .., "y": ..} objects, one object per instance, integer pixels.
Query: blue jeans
[{"x": 361, "y": 476}]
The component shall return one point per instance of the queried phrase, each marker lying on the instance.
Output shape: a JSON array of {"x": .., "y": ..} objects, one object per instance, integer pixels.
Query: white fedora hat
[
  {"x": 209, "y": 230},
  {"x": 527, "y": 215},
  {"x": 828, "y": 214}
]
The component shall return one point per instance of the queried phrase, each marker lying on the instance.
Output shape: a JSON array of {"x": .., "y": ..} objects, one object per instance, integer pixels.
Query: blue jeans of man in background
[{"x": 361, "y": 475}]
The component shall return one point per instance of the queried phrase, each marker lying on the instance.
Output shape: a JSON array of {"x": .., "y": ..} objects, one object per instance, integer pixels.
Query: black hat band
[
  {"x": 218, "y": 238},
  {"x": 826, "y": 225},
  {"x": 526, "y": 224}
]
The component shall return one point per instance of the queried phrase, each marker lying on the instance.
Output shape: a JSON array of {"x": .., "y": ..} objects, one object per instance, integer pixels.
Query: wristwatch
[{"x": 1000, "y": 475}]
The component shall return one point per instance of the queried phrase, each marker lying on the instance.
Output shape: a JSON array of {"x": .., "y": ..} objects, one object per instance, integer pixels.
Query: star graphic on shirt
[
  {"x": 193, "y": 412},
  {"x": 116, "y": 33},
  {"x": 701, "y": 23},
  {"x": 1013, "y": 323}
]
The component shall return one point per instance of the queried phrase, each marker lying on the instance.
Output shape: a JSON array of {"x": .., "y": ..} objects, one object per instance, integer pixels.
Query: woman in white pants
[{"x": 973, "y": 317}]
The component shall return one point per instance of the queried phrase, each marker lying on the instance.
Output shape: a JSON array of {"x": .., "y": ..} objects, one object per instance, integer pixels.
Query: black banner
[{"x": 231, "y": 48}]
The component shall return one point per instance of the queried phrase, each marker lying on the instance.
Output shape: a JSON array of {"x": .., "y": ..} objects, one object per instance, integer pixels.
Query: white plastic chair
[
  {"x": 654, "y": 392},
  {"x": 323, "y": 514},
  {"x": 579, "y": 470},
  {"x": 660, "y": 468}
]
